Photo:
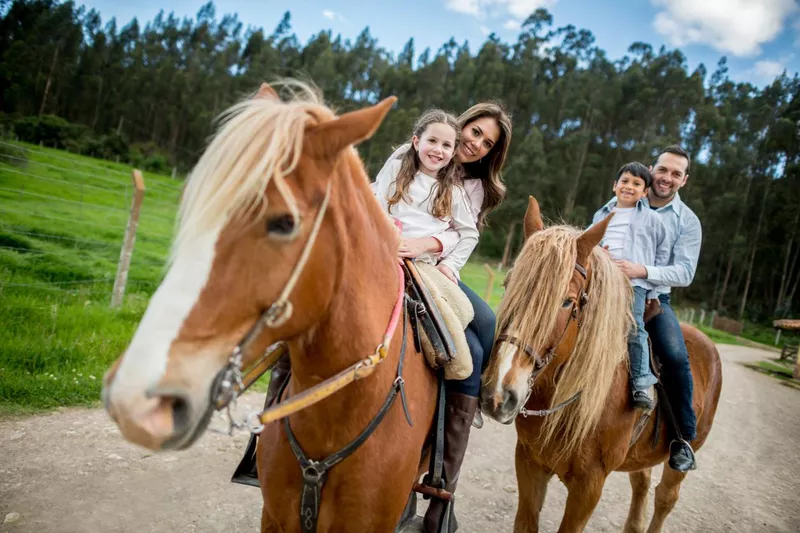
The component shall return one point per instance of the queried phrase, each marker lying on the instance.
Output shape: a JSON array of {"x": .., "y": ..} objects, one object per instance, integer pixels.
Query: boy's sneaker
[{"x": 642, "y": 401}]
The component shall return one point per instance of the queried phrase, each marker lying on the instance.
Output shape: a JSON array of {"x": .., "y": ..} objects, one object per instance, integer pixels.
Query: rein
[{"x": 539, "y": 363}]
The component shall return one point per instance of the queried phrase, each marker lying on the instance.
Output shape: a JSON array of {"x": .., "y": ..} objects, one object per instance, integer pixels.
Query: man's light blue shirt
[{"x": 684, "y": 235}]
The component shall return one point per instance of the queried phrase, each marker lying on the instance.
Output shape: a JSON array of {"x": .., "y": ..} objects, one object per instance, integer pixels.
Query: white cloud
[
  {"x": 469, "y": 7},
  {"x": 768, "y": 70},
  {"x": 512, "y": 25},
  {"x": 519, "y": 9},
  {"x": 485, "y": 31},
  {"x": 738, "y": 27},
  {"x": 333, "y": 15}
]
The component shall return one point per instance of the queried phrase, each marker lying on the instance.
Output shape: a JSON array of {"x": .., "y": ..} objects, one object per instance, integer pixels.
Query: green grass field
[{"x": 62, "y": 220}]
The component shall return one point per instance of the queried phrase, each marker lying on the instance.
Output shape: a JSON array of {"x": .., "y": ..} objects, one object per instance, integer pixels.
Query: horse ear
[
  {"x": 533, "y": 218},
  {"x": 591, "y": 238},
  {"x": 265, "y": 91},
  {"x": 326, "y": 140}
]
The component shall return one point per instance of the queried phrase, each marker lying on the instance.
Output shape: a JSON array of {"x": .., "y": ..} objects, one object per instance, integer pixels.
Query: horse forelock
[{"x": 258, "y": 141}]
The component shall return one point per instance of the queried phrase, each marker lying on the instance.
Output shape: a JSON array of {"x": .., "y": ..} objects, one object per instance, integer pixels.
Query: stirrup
[{"x": 693, "y": 466}]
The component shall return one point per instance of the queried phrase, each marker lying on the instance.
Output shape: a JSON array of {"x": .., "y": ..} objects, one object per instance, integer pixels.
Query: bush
[
  {"x": 52, "y": 131},
  {"x": 148, "y": 156}
]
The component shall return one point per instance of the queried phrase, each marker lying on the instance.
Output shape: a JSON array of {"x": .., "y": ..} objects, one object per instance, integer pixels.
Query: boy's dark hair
[
  {"x": 638, "y": 170},
  {"x": 676, "y": 150}
]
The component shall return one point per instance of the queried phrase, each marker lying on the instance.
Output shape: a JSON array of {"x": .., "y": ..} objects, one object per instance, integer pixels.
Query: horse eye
[
  {"x": 281, "y": 225},
  {"x": 567, "y": 303}
]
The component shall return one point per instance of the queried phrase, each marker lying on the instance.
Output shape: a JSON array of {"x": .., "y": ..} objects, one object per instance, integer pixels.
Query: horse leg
[
  {"x": 268, "y": 525},
  {"x": 532, "y": 482},
  {"x": 584, "y": 491},
  {"x": 667, "y": 493},
  {"x": 640, "y": 485}
]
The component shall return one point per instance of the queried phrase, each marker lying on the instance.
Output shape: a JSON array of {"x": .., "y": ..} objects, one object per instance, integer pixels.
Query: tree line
[{"x": 152, "y": 91}]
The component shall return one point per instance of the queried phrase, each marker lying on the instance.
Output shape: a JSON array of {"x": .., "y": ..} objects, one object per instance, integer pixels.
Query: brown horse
[
  {"x": 567, "y": 300},
  {"x": 281, "y": 239}
]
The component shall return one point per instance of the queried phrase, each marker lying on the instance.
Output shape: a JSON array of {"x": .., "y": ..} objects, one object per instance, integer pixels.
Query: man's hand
[
  {"x": 632, "y": 270},
  {"x": 415, "y": 247},
  {"x": 447, "y": 271}
]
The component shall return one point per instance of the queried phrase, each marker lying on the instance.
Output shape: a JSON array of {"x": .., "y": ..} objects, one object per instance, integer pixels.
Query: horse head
[
  {"x": 556, "y": 308},
  {"x": 256, "y": 259}
]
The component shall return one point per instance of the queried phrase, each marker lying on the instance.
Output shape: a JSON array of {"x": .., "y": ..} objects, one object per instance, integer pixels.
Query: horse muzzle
[{"x": 501, "y": 406}]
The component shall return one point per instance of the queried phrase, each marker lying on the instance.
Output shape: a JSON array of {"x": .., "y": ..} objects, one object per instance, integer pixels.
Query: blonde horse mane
[
  {"x": 534, "y": 296},
  {"x": 258, "y": 140}
]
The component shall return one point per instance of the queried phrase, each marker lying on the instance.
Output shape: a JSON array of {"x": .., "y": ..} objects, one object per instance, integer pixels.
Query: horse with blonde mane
[
  {"x": 281, "y": 239},
  {"x": 561, "y": 361}
]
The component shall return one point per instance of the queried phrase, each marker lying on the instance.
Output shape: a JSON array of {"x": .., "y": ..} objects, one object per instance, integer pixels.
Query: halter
[
  {"x": 233, "y": 382},
  {"x": 539, "y": 363}
]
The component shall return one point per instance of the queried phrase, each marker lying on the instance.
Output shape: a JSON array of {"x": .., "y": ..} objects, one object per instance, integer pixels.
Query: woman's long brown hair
[
  {"x": 488, "y": 168},
  {"x": 447, "y": 177}
]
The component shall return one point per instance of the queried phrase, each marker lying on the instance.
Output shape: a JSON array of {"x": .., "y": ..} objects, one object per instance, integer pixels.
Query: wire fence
[{"x": 63, "y": 222}]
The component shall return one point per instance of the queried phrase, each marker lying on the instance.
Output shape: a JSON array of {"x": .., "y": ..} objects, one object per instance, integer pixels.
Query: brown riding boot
[
  {"x": 440, "y": 517},
  {"x": 246, "y": 473},
  {"x": 278, "y": 375}
]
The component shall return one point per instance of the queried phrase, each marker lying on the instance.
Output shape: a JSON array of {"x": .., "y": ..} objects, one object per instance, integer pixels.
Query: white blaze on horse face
[
  {"x": 145, "y": 361},
  {"x": 517, "y": 382}
]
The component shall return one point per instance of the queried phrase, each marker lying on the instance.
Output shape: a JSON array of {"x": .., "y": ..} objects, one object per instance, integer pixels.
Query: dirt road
[{"x": 70, "y": 472}]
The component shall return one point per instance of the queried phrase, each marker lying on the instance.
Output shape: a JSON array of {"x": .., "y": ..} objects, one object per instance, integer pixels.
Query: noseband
[{"x": 539, "y": 362}]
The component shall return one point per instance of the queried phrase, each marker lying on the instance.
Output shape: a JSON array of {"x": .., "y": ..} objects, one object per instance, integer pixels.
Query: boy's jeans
[{"x": 641, "y": 376}]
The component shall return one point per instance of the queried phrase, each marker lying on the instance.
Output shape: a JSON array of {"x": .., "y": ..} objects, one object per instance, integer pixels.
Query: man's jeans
[{"x": 669, "y": 345}]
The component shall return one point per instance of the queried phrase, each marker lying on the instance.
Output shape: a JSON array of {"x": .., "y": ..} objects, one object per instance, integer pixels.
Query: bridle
[
  {"x": 232, "y": 382},
  {"x": 539, "y": 362}
]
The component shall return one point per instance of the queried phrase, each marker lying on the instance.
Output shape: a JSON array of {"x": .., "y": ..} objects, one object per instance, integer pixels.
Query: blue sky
[{"x": 760, "y": 38}]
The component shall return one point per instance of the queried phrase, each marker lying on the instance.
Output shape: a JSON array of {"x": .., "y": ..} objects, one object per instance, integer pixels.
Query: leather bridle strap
[{"x": 232, "y": 383}]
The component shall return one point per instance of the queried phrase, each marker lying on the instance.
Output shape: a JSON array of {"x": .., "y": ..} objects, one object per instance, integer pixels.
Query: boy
[{"x": 636, "y": 234}]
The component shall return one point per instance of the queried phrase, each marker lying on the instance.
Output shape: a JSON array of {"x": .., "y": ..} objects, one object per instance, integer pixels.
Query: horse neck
[{"x": 360, "y": 309}]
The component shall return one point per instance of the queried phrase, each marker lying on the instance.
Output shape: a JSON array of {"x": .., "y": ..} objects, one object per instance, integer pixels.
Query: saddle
[{"x": 439, "y": 312}]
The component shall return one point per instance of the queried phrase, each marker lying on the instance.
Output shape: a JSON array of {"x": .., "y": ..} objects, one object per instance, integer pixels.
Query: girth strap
[{"x": 315, "y": 473}]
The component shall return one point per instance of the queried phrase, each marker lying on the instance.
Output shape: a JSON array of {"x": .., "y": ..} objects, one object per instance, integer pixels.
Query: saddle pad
[{"x": 457, "y": 312}]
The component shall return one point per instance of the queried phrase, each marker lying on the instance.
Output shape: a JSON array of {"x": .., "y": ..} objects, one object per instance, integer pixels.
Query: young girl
[{"x": 422, "y": 188}]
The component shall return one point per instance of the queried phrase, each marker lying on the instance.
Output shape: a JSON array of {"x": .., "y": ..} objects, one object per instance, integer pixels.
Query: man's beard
[{"x": 661, "y": 195}]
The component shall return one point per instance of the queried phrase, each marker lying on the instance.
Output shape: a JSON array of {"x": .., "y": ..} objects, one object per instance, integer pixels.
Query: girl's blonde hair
[{"x": 448, "y": 177}]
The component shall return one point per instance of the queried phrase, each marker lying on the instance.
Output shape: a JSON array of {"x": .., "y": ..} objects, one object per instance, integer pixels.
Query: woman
[{"x": 485, "y": 138}]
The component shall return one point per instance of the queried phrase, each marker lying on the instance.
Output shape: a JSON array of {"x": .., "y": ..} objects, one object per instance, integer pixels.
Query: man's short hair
[
  {"x": 638, "y": 170},
  {"x": 676, "y": 150}
]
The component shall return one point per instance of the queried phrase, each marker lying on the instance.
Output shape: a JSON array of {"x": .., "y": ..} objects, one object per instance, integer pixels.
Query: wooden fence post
[
  {"x": 130, "y": 238},
  {"x": 490, "y": 286},
  {"x": 507, "y": 249}
]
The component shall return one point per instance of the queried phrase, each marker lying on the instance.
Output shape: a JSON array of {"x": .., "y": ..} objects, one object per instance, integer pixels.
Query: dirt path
[{"x": 70, "y": 472}]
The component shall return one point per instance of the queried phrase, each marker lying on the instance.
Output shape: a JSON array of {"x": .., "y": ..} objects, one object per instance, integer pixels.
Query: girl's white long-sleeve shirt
[{"x": 419, "y": 222}]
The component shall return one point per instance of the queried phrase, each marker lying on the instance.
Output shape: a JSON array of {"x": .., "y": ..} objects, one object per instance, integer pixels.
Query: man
[{"x": 684, "y": 235}]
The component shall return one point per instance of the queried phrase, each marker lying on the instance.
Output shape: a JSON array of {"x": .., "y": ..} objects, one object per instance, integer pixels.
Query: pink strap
[{"x": 398, "y": 306}]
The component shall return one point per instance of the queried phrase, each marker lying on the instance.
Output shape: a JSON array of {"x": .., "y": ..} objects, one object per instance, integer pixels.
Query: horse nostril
[
  {"x": 180, "y": 414},
  {"x": 510, "y": 399},
  {"x": 175, "y": 402}
]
